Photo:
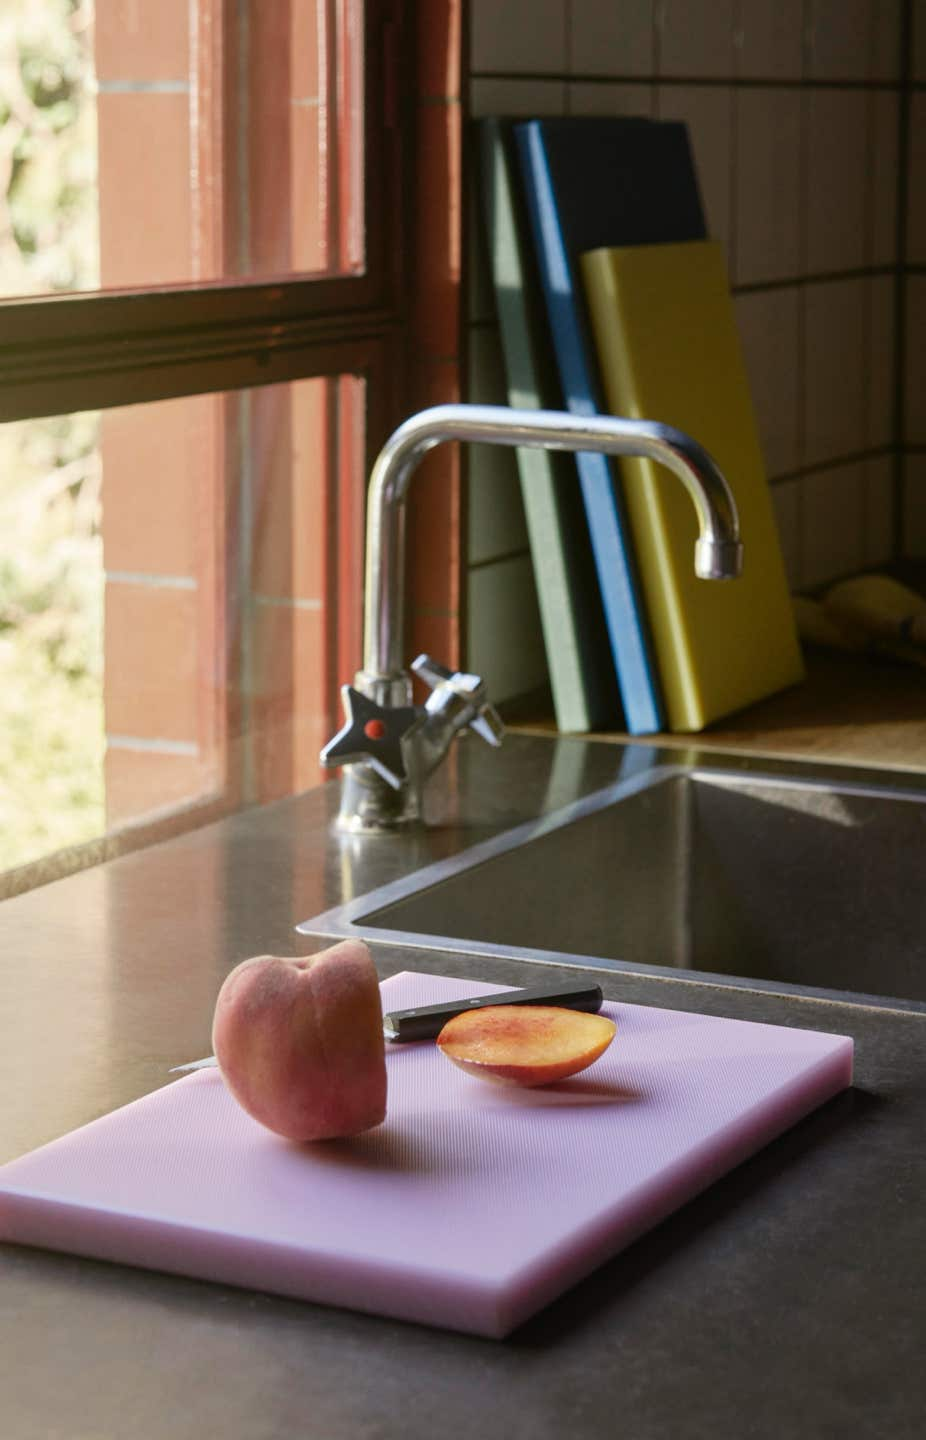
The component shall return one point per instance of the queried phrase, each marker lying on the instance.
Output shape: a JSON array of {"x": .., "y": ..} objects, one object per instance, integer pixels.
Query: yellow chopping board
[{"x": 668, "y": 349}]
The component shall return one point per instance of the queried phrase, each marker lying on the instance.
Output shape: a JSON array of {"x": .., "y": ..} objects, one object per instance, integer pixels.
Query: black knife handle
[{"x": 427, "y": 1021}]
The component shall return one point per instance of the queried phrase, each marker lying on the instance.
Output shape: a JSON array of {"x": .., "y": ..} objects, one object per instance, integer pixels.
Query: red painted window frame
[{"x": 94, "y": 351}]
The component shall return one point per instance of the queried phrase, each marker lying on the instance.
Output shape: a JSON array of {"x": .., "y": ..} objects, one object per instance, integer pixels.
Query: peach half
[
  {"x": 300, "y": 1042},
  {"x": 525, "y": 1044}
]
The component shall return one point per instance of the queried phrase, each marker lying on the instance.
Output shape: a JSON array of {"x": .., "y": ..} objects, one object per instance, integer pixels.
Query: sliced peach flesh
[{"x": 525, "y": 1044}]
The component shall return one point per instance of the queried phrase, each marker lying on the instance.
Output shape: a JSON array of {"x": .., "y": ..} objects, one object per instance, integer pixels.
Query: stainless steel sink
[{"x": 752, "y": 879}]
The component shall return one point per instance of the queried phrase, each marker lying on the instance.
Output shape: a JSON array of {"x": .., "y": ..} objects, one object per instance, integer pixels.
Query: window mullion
[{"x": 134, "y": 368}]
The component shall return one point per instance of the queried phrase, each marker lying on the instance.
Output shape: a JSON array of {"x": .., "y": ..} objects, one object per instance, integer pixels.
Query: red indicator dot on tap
[{"x": 374, "y": 729}]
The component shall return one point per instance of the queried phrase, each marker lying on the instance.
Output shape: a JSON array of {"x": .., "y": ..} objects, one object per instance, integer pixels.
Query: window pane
[
  {"x": 51, "y": 625},
  {"x": 182, "y": 141},
  {"x": 180, "y": 597}
]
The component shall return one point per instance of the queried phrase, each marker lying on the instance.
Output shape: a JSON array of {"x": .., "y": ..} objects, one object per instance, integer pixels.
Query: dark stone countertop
[{"x": 785, "y": 1301}]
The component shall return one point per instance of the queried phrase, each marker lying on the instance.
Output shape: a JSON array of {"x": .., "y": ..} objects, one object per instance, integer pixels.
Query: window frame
[
  {"x": 95, "y": 350},
  {"x": 99, "y": 350}
]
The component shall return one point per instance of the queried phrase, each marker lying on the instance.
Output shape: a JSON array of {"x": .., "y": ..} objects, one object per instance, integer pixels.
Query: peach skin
[{"x": 300, "y": 1042}]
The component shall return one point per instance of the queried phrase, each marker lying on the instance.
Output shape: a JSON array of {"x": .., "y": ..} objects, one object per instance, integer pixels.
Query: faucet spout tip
[{"x": 718, "y": 559}]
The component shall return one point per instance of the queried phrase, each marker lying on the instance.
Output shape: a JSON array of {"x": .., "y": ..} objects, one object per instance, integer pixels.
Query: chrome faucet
[{"x": 389, "y": 746}]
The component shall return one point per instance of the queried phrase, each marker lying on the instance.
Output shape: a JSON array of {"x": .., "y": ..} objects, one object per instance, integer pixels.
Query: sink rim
[{"x": 348, "y": 919}]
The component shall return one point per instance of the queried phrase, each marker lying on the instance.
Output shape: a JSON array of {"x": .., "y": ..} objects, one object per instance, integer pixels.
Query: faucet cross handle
[
  {"x": 460, "y": 697},
  {"x": 373, "y": 733}
]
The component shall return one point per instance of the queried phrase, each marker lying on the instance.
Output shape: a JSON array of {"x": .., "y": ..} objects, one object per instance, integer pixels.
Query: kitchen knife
[{"x": 425, "y": 1022}]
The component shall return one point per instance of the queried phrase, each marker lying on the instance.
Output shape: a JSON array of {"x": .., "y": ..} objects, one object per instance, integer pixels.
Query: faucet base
[{"x": 371, "y": 806}]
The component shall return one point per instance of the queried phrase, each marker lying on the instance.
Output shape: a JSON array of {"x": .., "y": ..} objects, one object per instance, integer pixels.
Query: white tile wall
[
  {"x": 919, "y": 39},
  {"x": 786, "y": 499},
  {"x": 887, "y": 56},
  {"x": 853, "y": 39},
  {"x": 880, "y": 387},
  {"x": 882, "y": 171},
  {"x": 914, "y": 507},
  {"x": 495, "y": 513},
  {"x": 505, "y": 638},
  {"x": 518, "y": 36},
  {"x": 835, "y": 401},
  {"x": 769, "y": 40},
  {"x": 584, "y": 97},
  {"x": 837, "y": 180},
  {"x": 769, "y": 326},
  {"x": 479, "y": 297},
  {"x": 768, "y": 218},
  {"x": 799, "y": 178},
  {"x": 611, "y": 39},
  {"x": 695, "y": 38},
  {"x": 887, "y": 35},
  {"x": 517, "y": 97},
  {"x": 829, "y": 551},
  {"x": 878, "y": 512},
  {"x": 916, "y": 190},
  {"x": 915, "y": 361}
]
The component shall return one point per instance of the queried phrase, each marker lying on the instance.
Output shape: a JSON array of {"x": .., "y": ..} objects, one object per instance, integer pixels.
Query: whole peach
[{"x": 300, "y": 1042}]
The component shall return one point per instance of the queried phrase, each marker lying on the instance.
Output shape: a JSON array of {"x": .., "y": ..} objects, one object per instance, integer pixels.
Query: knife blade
[{"x": 425, "y": 1022}]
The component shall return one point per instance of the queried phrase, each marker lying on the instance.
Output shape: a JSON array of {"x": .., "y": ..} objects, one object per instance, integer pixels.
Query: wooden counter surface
[{"x": 849, "y": 711}]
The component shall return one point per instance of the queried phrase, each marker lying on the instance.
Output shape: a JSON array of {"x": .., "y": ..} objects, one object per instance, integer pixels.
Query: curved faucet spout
[
  {"x": 718, "y": 551},
  {"x": 388, "y": 746}
]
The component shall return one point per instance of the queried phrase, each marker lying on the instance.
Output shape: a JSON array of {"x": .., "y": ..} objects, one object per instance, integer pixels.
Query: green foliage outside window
[{"x": 51, "y": 582}]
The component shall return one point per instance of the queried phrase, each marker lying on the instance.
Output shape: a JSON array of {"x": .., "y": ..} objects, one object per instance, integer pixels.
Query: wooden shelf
[{"x": 849, "y": 711}]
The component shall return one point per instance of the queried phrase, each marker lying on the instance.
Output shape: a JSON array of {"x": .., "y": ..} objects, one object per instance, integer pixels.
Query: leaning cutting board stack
[{"x": 611, "y": 299}]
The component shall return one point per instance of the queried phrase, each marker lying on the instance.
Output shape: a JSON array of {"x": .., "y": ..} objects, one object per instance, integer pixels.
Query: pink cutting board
[{"x": 471, "y": 1207}]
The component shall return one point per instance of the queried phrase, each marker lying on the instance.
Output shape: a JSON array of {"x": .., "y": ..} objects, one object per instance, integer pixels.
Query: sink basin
[{"x": 751, "y": 879}]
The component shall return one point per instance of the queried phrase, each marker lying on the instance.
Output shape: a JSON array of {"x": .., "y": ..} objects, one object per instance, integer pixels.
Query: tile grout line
[
  {"x": 734, "y": 122},
  {"x": 801, "y": 366},
  {"x": 817, "y": 277},
  {"x": 868, "y": 241},
  {"x": 706, "y": 82},
  {"x": 900, "y": 286},
  {"x": 832, "y": 462}
]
